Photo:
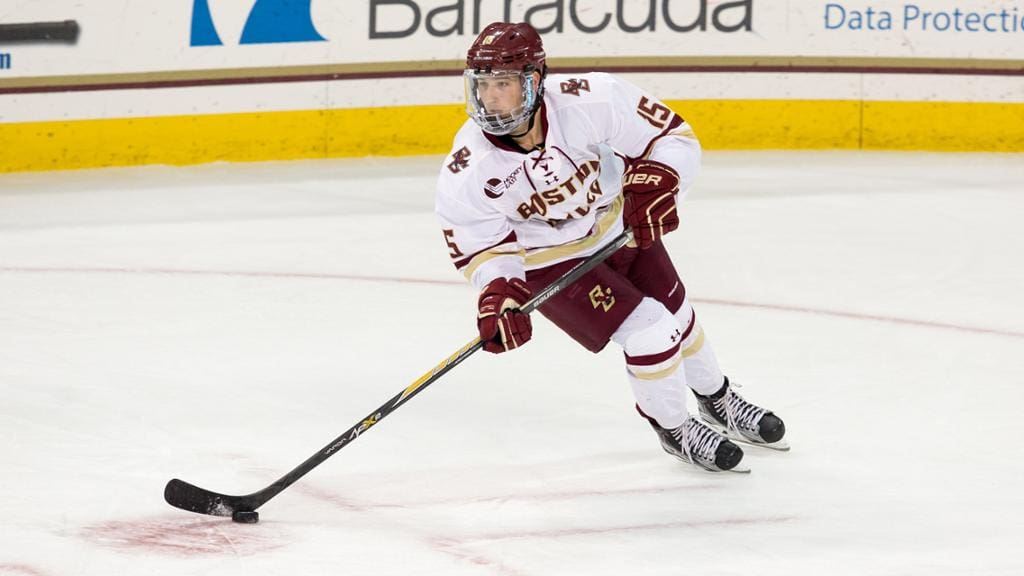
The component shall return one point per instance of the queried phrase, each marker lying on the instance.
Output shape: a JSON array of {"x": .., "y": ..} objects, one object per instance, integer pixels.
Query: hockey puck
[{"x": 245, "y": 516}]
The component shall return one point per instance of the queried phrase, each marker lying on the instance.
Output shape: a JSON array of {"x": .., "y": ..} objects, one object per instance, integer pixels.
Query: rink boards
[
  {"x": 205, "y": 81},
  {"x": 336, "y": 119}
]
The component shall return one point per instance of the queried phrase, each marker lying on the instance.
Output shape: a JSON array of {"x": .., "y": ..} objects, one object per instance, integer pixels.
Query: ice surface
[{"x": 222, "y": 323}]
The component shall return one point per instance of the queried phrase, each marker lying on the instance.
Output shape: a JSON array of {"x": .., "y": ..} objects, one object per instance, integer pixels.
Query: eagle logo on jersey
[
  {"x": 493, "y": 188},
  {"x": 573, "y": 86},
  {"x": 459, "y": 160}
]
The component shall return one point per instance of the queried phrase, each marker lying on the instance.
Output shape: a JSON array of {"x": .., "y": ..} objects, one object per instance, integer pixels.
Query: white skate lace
[
  {"x": 698, "y": 440},
  {"x": 743, "y": 416}
]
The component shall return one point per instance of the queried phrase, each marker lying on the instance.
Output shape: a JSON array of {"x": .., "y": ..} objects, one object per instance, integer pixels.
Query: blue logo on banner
[{"x": 269, "y": 22}]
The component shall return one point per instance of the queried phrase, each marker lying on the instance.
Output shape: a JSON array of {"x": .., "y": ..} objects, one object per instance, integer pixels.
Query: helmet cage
[{"x": 500, "y": 123}]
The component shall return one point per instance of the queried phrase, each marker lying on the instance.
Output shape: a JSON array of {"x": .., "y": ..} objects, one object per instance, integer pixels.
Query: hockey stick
[{"x": 181, "y": 494}]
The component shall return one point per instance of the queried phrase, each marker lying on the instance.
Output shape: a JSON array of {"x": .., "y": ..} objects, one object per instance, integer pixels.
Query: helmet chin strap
[
  {"x": 536, "y": 107},
  {"x": 533, "y": 117},
  {"x": 529, "y": 125}
]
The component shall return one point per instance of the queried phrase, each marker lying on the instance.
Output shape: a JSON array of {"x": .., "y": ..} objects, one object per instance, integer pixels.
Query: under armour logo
[{"x": 459, "y": 160}]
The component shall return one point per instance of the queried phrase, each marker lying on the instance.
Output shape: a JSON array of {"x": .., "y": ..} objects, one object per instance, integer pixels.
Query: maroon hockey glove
[
  {"x": 650, "y": 189},
  {"x": 502, "y": 326}
]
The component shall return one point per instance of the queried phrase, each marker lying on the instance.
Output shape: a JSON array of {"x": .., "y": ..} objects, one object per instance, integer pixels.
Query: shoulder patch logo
[
  {"x": 573, "y": 86},
  {"x": 493, "y": 188},
  {"x": 459, "y": 160}
]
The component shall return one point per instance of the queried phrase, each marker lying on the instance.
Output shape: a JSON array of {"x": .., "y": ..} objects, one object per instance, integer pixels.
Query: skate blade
[
  {"x": 739, "y": 469},
  {"x": 780, "y": 446}
]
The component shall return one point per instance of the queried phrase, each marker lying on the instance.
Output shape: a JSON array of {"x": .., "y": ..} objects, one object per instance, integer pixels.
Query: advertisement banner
[
  {"x": 214, "y": 36},
  {"x": 87, "y": 84}
]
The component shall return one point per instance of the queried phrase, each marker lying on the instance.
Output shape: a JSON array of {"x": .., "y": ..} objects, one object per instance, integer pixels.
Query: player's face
[
  {"x": 500, "y": 94},
  {"x": 500, "y": 101}
]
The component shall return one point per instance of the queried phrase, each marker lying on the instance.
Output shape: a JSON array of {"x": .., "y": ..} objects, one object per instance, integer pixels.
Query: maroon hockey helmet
[
  {"x": 507, "y": 46},
  {"x": 506, "y": 54}
]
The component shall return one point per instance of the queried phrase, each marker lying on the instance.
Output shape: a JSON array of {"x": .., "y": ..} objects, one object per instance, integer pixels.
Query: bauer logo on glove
[{"x": 650, "y": 189}]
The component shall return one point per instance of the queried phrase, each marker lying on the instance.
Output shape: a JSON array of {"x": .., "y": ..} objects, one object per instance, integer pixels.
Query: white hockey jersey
[{"x": 504, "y": 211}]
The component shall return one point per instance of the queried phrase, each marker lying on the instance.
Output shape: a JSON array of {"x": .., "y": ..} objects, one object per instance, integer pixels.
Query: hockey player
[{"x": 546, "y": 171}]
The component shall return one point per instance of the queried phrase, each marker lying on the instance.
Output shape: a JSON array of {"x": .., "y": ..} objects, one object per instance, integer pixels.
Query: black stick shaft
[
  {"x": 189, "y": 497},
  {"x": 438, "y": 371}
]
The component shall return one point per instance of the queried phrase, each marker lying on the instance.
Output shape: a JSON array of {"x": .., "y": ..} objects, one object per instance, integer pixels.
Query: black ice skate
[
  {"x": 731, "y": 414},
  {"x": 698, "y": 444}
]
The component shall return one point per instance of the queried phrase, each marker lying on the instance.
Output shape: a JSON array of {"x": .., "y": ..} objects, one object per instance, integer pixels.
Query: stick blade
[{"x": 181, "y": 494}]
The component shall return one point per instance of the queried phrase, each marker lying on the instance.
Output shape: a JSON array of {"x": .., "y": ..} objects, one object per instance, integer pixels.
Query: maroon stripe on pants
[
  {"x": 652, "y": 359},
  {"x": 689, "y": 327}
]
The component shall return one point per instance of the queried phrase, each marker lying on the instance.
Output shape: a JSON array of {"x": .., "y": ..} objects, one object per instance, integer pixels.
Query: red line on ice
[
  {"x": 357, "y": 505},
  {"x": 184, "y": 536},
  {"x": 20, "y": 570},
  {"x": 460, "y": 547},
  {"x": 398, "y": 280},
  {"x": 582, "y": 531}
]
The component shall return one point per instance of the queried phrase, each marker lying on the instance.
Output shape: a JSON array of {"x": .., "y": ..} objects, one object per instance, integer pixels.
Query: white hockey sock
[
  {"x": 699, "y": 361},
  {"x": 650, "y": 337}
]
